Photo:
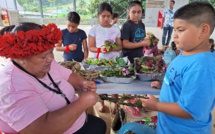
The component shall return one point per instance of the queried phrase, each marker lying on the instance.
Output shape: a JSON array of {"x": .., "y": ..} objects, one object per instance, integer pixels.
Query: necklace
[{"x": 57, "y": 90}]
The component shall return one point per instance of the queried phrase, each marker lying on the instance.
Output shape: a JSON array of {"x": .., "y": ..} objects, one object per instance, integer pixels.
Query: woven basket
[
  {"x": 89, "y": 74},
  {"x": 72, "y": 65}
]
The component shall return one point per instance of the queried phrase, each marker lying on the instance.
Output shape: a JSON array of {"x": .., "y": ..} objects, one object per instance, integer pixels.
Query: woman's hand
[
  {"x": 150, "y": 103},
  {"x": 89, "y": 86},
  {"x": 156, "y": 84},
  {"x": 89, "y": 99}
]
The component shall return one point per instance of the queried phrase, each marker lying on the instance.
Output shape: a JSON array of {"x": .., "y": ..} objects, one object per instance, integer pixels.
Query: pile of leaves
[
  {"x": 100, "y": 62},
  {"x": 109, "y": 44},
  {"x": 119, "y": 62},
  {"x": 149, "y": 65},
  {"x": 125, "y": 72}
]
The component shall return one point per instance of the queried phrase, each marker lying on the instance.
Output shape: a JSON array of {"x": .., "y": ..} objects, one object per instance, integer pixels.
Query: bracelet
[
  {"x": 67, "y": 49},
  {"x": 98, "y": 52}
]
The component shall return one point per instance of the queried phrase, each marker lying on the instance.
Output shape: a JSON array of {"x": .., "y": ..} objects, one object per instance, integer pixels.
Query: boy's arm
[
  {"x": 84, "y": 42},
  {"x": 168, "y": 108}
]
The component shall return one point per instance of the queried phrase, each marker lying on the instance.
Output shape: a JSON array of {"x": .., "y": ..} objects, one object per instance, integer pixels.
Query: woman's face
[
  {"x": 105, "y": 19},
  {"x": 72, "y": 27},
  {"x": 135, "y": 13},
  {"x": 40, "y": 64}
]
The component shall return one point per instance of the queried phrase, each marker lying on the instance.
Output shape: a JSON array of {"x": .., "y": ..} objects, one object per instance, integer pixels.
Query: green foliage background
[{"x": 86, "y": 8}]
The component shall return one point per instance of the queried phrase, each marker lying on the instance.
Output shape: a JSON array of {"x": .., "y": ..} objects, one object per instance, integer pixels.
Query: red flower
[
  {"x": 154, "y": 119},
  {"x": 32, "y": 42}
]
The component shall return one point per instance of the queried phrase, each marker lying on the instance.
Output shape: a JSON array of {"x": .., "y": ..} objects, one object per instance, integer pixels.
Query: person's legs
[
  {"x": 170, "y": 30},
  {"x": 164, "y": 35},
  {"x": 93, "y": 125}
]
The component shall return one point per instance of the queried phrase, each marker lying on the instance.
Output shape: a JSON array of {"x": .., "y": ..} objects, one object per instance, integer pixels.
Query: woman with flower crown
[{"x": 37, "y": 95}]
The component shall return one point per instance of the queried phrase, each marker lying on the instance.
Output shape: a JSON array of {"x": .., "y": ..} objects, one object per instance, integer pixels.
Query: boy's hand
[
  {"x": 156, "y": 84},
  {"x": 150, "y": 103}
]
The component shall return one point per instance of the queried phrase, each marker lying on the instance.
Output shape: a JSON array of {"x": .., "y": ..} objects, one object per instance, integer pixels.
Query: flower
[
  {"x": 154, "y": 40},
  {"x": 124, "y": 72},
  {"x": 110, "y": 44},
  {"x": 26, "y": 44},
  {"x": 150, "y": 65}
]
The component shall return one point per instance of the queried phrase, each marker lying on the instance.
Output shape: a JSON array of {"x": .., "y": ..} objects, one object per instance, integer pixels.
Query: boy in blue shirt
[
  {"x": 188, "y": 91},
  {"x": 73, "y": 39}
]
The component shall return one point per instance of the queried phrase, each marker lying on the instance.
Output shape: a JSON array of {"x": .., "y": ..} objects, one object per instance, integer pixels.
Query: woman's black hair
[
  {"x": 6, "y": 29},
  {"x": 73, "y": 17},
  {"x": 26, "y": 26},
  {"x": 134, "y": 3},
  {"x": 104, "y": 6}
]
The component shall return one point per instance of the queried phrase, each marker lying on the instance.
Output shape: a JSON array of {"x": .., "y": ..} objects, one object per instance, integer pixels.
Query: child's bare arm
[
  {"x": 84, "y": 42},
  {"x": 91, "y": 44},
  {"x": 132, "y": 45},
  {"x": 72, "y": 47},
  {"x": 168, "y": 108},
  {"x": 58, "y": 45}
]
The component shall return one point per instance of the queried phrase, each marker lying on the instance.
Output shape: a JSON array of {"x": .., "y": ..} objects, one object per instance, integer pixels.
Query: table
[{"x": 135, "y": 87}]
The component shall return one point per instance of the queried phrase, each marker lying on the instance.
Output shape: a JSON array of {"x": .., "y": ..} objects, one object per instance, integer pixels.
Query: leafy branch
[{"x": 121, "y": 100}]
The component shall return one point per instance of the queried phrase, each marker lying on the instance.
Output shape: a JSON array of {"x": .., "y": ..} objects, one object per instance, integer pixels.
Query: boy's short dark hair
[
  {"x": 73, "y": 17},
  {"x": 197, "y": 13},
  {"x": 115, "y": 15},
  {"x": 172, "y": 1}
]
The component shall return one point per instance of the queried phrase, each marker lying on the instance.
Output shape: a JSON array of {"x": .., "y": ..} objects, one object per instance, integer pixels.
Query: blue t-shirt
[
  {"x": 73, "y": 38},
  {"x": 190, "y": 82}
]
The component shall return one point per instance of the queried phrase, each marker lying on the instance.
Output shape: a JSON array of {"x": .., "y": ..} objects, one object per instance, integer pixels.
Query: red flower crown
[{"x": 26, "y": 44}]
